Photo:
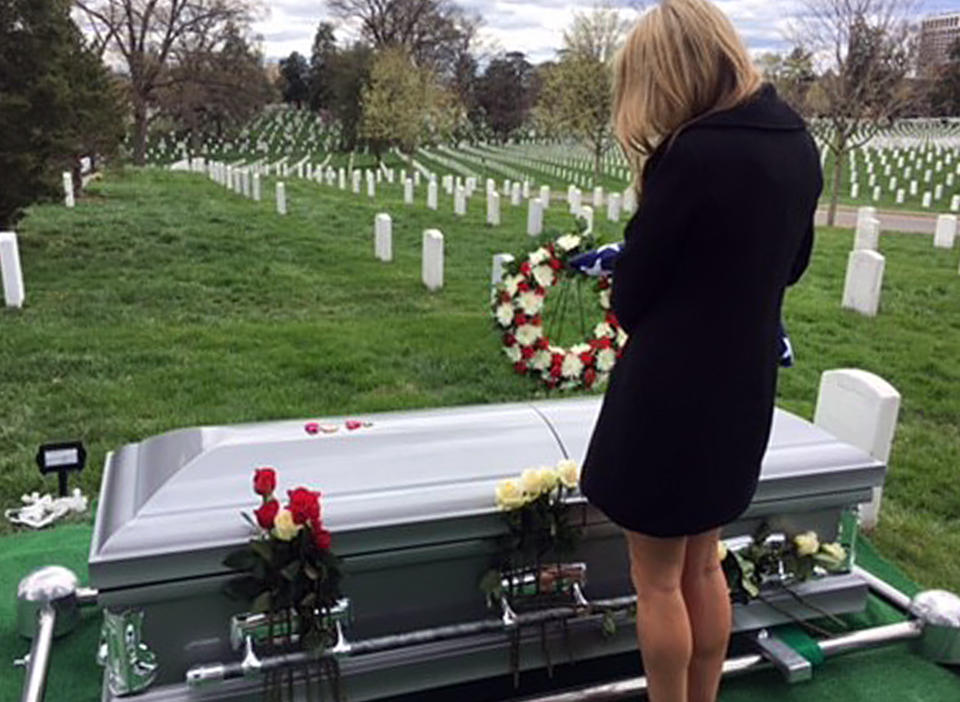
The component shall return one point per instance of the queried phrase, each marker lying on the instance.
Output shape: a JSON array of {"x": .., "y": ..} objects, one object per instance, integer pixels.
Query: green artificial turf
[{"x": 165, "y": 301}]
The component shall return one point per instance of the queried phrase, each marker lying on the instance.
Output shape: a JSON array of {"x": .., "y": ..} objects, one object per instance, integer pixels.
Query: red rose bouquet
[{"x": 289, "y": 571}]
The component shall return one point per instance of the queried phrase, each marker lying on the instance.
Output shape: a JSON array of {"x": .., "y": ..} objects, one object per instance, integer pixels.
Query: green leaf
[
  {"x": 264, "y": 549},
  {"x": 609, "y": 624},
  {"x": 491, "y": 584},
  {"x": 261, "y": 603},
  {"x": 311, "y": 572},
  {"x": 291, "y": 570}
]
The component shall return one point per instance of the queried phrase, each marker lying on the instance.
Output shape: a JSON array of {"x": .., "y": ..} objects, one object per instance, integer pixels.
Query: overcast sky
[{"x": 531, "y": 26}]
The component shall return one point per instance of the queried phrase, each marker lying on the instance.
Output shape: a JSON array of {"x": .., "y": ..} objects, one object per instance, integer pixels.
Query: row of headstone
[
  {"x": 865, "y": 266},
  {"x": 431, "y": 252}
]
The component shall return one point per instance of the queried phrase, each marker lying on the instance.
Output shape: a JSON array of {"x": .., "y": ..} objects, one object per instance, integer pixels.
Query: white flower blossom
[
  {"x": 539, "y": 256},
  {"x": 530, "y": 302},
  {"x": 807, "y": 543},
  {"x": 504, "y": 314},
  {"x": 568, "y": 242},
  {"x": 512, "y": 352},
  {"x": 527, "y": 334},
  {"x": 540, "y": 360},
  {"x": 511, "y": 282},
  {"x": 569, "y": 472},
  {"x": 572, "y": 366},
  {"x": 605, "y": 299},
  {"x": 543, "y": 274},
  {"x": 603, "y": 329},
  {"x": 580, "y": 348},
  {"x": 606, "y": 358},
  {"x": 621, "y": 337},
  {"x": 509, "y": 495}
]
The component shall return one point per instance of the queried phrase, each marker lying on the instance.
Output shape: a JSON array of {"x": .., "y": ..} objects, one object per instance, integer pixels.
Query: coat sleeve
[
  {"x": 656, "y": 236},
  {"x": 802, "y": 259}
]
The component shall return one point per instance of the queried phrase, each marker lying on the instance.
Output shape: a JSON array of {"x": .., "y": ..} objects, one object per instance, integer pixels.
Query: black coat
[{"x": 725, "y": 223}]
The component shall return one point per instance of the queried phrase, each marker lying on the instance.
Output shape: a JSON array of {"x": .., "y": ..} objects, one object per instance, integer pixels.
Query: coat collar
[{"x": 764, "y": 110}]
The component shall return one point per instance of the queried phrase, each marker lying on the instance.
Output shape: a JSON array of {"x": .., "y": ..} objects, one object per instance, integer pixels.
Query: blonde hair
[{"x": 682, "y": 60}]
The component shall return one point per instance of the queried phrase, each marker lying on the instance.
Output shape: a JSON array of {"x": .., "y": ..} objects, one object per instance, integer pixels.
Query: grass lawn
[{"x": 165, "y": 301}]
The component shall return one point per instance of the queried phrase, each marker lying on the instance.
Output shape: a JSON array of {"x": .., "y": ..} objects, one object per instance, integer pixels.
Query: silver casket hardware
[
  {"x": 258, "y": 627},
  {"x": 131, "y": 665}
]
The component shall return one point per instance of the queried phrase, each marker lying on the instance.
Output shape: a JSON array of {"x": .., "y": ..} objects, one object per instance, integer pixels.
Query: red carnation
[
  {"x": 525, "y": 268},
  {"x": 556, "y": 371},
  {"x": 556, "y": 264},
  {"x": 542, "y": 343},
  {"x": 264, "y": 481},
  {"x": 611, "y": 318},
  {"x": 550, "y": 248},
  {"x": 523, "y": 286},
  {"x": 536, "y": 320},
  {"x": 321, "y": 537},
  {"x": 556, "y": 359},
  {"x": 311, "y": 428},
  {"x": 505, "y": 296},
  {"x": 603, "y": 283},
  {"x": 520, "y": 319},
  {"x": 589, "y": 376},
  {"x": 267, "y": 513},
  {"x": 520, "y": 367},
  {"x": 586, "y": 358},
  {"x": 509, "y": 339},
  {"x": 527, "y": 352},
  {"x": 540, "y": 291},
  {"x": 304, "y": 505}
]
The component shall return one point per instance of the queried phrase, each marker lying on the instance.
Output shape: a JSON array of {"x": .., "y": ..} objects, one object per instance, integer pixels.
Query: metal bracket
[{"x": 794, "y": 667}]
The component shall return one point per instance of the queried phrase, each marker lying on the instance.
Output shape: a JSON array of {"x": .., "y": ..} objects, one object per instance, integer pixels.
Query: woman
[{"x": 729, "y": 184}]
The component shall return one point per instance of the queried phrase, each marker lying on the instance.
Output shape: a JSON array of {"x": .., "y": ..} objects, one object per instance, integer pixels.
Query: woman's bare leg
[
  {"x": 663, "y": 627},
  {"x": 707, "y": 600}
]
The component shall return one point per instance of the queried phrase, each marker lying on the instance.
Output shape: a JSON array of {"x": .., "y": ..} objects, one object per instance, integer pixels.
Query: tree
[
  {"x": 576, "y": 93},
  {"x": 321, "y": 63},
  {"x": 945, "y": 94},
  {"x": 58, "y": 103},
  {"x": 432, "y": 31},
  {"x": 868, "y": 56},
  {"x": 212, "y": 89},
  {"x": 148, "y": 36},
  {"x": 506, "y": 92},
  {"x": 349, "y": 75},
  {"x": 792, "y": 75},
  {"x": 294, "y": 79}
]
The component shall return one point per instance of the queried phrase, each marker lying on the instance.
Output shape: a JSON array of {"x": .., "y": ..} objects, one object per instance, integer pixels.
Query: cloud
[{"x": 535, "y": 27}]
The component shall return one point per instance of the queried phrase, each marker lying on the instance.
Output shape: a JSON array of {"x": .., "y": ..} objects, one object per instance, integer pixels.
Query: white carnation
[
  {"x": 568, "y": 242},
  {"x": 543, "y": 274},
  {"x": 580, "y": 348},
  {"x": 527, "y": 334},
  {"x": 540, "y": 360},
  {"x": 606, "y": 358},
  {"x": 530, "y": 302},
  {"x": 621, "y": 337},
  {"x": 511, "y": 282},
  {"x": 605, "y": 299},
  {"x": 603, "y": 329},
  {"x": 539, "y": 256},
  {"x": 572, "y": 366},
  {"x": 513, "y": 352},
  {"x": 504, "y": 314}
]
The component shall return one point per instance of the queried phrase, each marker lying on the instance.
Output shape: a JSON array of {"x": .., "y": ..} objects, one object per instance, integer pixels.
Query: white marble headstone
[
  {"x": 613, "y": 207},
  {"x": 10, "y": 271},
  {"x": 493, "y": 208},
  {"x": 545, "y": 196},
  {"x": 432, "y": 268},
  {"x": 281, "y": 198},
  {"x": 864, "y": 280},
  {"x": 408, "y": 191},
  {"x": 946, "y": 231},
  {"x": 383, "y": 237},
  {"x": 500, "y": 262},
  {"x": 534, "y": 217},
  {"x": 68, "y": 196},
  {"x": 432, "y": 194}
]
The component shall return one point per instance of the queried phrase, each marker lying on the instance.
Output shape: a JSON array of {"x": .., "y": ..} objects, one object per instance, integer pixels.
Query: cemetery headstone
[
  {"x": 946, "y": 231},
  {"x": 10, "y": 271},
  {"x": 460, "y": 201},
  {"x": 586, "y": 213},
  {"x": 256, "y": 187},
  {"x": 515, "y": 195},
  {"x": 867, "y": 234},
  {"x": 545, "y": 196},
  {"x": 534, "y": 217},
  {"x": 500, "y": 262},
  {"x": 68, "y": 196},
  {"x": 432, "y": 265},
  {"x": 281, "y": 198},
  {"x": 864, "y": 280},
  {"x": 432, "y": 194},
  {"x": 493, "y": 208},
  {"x": 408, "y": 191},
  {"x": 613, "y": 207},
  {"x": 383, "y": 237}
]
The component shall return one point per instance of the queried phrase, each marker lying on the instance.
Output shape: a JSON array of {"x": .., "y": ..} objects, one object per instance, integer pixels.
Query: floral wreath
[{"x": 517, "y": 306}]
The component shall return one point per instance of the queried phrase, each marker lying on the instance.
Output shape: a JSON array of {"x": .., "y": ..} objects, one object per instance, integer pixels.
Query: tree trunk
[
  {"x": 597, "y": 154},
  {"x": 139, "y": 132},
  {"x": 838, "y": 155}
]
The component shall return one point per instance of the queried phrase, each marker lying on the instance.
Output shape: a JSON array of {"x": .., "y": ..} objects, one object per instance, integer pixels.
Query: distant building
[{"x": 937, "y": 35}]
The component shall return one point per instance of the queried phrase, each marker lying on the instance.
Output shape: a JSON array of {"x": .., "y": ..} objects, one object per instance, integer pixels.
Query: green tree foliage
[
  {"x": 57, "y": 103},
  {"x": 321, "y": 65},
  {"x": 791, "y": 74},
  {"x": 349, "y": 75},
  {"x": 405, "y": 103},
  {"x": 506, "y": 92},
  {"x": 576, "y": 94},
  {"x": 945, "y": 94},
  {"x": 294, "y": 81}
]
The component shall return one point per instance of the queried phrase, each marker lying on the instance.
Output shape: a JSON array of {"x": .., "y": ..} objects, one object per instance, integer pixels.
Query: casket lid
[{"x": 170, "y": 506}]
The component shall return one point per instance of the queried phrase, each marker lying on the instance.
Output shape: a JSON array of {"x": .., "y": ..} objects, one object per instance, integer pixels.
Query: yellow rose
[
  {"x": 509, "y": 495},
  {"x": 531, "y": 482},
  {"x": 284, "y": 527},
  {"x": 807, "y": 543},
  {"x": 548, "y": 479},
  {"x": 835, "y": 551},
  {"x": 721, "y": 550},
  {"x": 568, "y": 472}
]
